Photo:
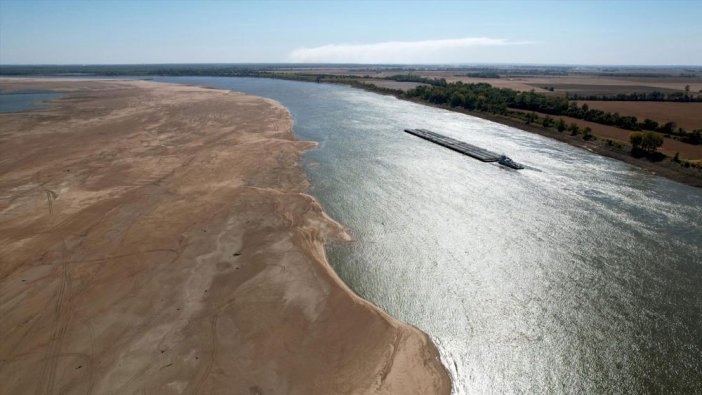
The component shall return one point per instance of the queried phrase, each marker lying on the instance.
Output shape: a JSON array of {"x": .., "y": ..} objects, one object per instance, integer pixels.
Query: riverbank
[
  {"x": 664, "y": 168},
  {"x": 158, "y": 238},
  {"x": 619, "y": 150}
]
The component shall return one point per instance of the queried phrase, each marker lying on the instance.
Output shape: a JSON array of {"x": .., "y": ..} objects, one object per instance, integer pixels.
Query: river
[{"x": 577, "y": 274}]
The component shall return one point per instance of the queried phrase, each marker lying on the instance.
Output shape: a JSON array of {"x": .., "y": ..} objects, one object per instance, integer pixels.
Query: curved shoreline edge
[
  {"x": 597, "y": 146},
  {"x": 405, "y": 347},
  {"x": 233, "y": 292}
]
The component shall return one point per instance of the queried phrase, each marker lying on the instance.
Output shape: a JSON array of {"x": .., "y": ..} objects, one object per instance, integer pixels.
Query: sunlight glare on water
[{"x": 578, "y": 274}]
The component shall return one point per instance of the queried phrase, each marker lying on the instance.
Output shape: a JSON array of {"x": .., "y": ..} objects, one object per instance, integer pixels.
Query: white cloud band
[{"x": 395, "y": 51}]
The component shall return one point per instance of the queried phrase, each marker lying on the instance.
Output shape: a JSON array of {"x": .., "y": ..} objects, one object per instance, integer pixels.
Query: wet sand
[{"x": 158, "y": 239}]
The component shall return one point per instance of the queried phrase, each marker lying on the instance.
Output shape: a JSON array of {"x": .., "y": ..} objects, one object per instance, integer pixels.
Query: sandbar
[{"x": 157, "y": 238}]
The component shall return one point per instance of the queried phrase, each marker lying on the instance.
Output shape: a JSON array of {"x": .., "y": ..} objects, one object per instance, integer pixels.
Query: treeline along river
[{"x": 579, "y": 274}]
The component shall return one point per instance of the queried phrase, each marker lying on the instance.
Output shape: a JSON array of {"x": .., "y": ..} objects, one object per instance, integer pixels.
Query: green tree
[
  {"x": 668, "y": 128},
  {"x": 587, "y": 133},
  {"x": 531, "y": 117},
  {"x": 636, "y": 138},
  {"x": 649, "y": 124},
  {"x": 651, "y": 141},
  {"x": 561, "y": 125},
  {"x": 695, "y": 137},
  {"x": 457, "y": 100},
  {"x": 547, "y": 121},
  {"x": 573, "y": 129}
]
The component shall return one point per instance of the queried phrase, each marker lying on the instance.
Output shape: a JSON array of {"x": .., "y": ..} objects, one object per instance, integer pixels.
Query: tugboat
[{"x": 504, "y": 160}]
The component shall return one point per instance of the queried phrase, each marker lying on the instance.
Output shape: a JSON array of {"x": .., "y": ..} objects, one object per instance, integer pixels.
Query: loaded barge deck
[
  {"x": 465, "y": 148},
  {"x": 459, "y": 146}
]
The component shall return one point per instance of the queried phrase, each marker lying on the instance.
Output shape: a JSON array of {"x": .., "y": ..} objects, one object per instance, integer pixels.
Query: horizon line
[{"x": 339, "y": 64}]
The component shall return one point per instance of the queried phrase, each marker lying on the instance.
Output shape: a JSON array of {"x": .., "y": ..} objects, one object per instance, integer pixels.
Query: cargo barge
[{"x": 478, "y": 153}]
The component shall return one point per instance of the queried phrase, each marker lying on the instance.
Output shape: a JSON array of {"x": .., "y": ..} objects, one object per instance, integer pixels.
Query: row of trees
[
  {"x": 483, "y": 74},
  {"x": 693, "y": 138},
  {"x": 645, "y": 96},
  {"x": 647, "y": 142},
  {"x": 417, "y": 78},
  {"x": 573, "y": 128},
  {"x": 481, "y": 97},
  {"x": 556, "y": 105},
  {"x": 642, "y": 143},
  {"x": 484, "y": 97}
]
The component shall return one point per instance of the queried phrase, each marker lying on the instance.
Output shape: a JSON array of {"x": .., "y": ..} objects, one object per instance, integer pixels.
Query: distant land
[{"x": 600, "y": 108}]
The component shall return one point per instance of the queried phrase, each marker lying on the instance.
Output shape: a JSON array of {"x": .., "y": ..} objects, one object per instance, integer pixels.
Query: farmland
[
  {"x": 657, "y": 94},
  {"x": 686, "y": 115},
  {"x": 670, "y": 146},
  {"x": 563, "y": 80}
]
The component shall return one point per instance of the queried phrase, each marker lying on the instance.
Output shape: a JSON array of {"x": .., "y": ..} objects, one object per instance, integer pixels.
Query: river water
[
  {"x": 578, "y": 274},
  {"x": 24, "y": 100}
]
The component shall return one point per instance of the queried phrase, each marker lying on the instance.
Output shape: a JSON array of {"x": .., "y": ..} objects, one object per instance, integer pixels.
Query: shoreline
[
  {"x": 232, "y": 292},
  {"x": 673, "y": 172},
  {"x": 664, "y": 168}
]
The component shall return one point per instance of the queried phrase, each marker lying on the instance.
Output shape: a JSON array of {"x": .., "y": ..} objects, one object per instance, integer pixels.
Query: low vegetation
[
  {"x": 519, "y": 106},
  {"x": 486, "y": 98},
  {"x": 417, "y": 78},
  {"x": 483, "y": 74},
  {"x": 647, "y": 142},
  {"x": 684, "y": 97}
]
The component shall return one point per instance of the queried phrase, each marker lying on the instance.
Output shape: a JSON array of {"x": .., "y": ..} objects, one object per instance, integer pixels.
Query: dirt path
[{"x": 157, "y": 239}]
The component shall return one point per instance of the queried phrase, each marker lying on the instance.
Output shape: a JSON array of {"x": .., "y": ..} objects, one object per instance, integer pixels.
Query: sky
[{"x": 471, "y": 32}]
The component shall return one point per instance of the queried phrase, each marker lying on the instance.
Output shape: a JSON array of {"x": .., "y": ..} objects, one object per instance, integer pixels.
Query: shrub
[
  {"x": 651, "y": 141},
  {"x": 636, "y": 138},
  {"x": 573, "y": 129}
]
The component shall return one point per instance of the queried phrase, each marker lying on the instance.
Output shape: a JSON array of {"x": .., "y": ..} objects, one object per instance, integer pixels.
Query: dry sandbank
[{"x": 157, "y": 238}]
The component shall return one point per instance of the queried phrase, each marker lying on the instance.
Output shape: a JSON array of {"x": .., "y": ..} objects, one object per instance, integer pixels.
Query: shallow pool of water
[{"x": 25, "y": 100}]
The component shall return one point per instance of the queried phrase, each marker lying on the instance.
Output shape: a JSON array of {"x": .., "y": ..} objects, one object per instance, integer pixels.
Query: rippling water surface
[{"x": 578, "y": 274}]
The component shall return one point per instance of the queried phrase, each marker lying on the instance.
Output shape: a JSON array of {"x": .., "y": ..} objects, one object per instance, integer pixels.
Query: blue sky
[{"x": 544, "y": 32}]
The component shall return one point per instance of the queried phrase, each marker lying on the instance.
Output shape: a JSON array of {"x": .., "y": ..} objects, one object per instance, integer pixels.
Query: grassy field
[{"x": 687, "y": 115}]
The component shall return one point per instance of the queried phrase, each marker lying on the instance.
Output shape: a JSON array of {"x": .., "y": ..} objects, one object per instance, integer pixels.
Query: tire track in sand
[{"x": 62, "y": 317}]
